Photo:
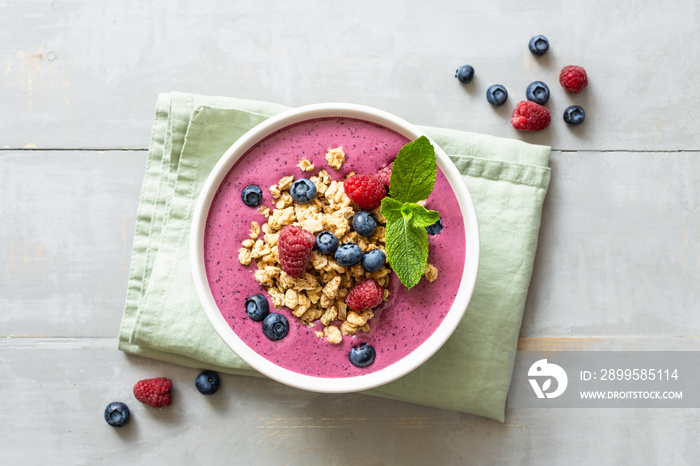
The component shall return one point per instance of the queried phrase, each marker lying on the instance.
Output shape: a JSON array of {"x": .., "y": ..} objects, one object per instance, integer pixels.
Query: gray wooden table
[{"x": 618, "y": 264}]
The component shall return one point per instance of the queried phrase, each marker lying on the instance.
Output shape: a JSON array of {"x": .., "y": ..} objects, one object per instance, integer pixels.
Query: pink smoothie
[{"x": 398, "y": 329}]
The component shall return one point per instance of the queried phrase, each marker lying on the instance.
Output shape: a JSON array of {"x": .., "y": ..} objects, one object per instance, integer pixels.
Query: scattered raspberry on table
[
  {"x": 529, "y": 116},
  {"x": 154, "y": 392},
  {"x": 573, "y": 78}
]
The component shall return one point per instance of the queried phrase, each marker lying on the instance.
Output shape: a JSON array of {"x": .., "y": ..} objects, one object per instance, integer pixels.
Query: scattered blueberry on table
[
  {"x": 574, "y": 115},
  {"x": 496, "y": 95},
  {"x": 207, "y": 382},
  {"x": 257, "y": 307},
  {"x": 537, "y": 92},
  {"x": 362, "y": 356},
  {"x": 538, "y": 45},
  {"x": 465, "y": 74},
  {"x": 252, "y": 195},
  {"x": 117, "y": 414}
]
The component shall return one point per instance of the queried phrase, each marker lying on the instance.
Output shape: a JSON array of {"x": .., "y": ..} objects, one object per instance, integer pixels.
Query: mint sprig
[
  {"x": 412, "y": 180},
  {"x": 413, "y": 175},
  {"x": 407, "y": 250},
  {"x": 418, "y": 215}
]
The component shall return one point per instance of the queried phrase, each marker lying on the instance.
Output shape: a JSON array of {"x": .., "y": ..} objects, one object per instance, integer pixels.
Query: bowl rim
[{"x": 341, "y": 384}]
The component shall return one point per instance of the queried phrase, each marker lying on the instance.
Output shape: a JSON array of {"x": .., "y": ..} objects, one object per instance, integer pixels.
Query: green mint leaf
[
  {"x": 407, "y": 250},
  {"x": 413, "y": 174},
  {"x": 412, "y": 180},
  {"x": 391, "y": 209},
  {"x": 419, "y": 216}
]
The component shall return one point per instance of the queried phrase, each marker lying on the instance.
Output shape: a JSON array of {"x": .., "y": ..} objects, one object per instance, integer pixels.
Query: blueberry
[
  {"x": 574, "y": 115},
  {"x": 207, "y": 382},
  {"x": 537, "y": 92},
  {"x": 348, "y": 254},
  {"x": 303, "y": 191},
  {"x": 326, "y": 242},
  {"x": 538, "y": 45},
  {"x": 362, "y": 356},
  {"x": 465, "y": 74},
  {"x": 275, "y": 326},
  {"x": 117, "y": 414},
  {"x": 252, "y": 195},
  {"x": 435, "y": 228},
  {"x": 364, "y": 223},
  {"x": 373, "y": 260},
  {"x": 257, "y": 307},
  {"x": 496, "y": 95}
]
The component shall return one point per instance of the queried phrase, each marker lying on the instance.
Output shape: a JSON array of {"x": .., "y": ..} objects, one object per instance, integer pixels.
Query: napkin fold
[{"x": 507, "y": 179}]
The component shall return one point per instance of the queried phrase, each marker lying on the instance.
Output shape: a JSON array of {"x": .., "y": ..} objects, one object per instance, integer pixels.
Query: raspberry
[
  {"x": 365, "y": 190},
  {"x": 294, "y": 247},
  {"x": 384, "y": 174},
  {"x": 529, "y": 116},
  {"x": 573, "y": 78},
  {"x": 365, "y": 295},
  {"x": 154, "y": 392}
]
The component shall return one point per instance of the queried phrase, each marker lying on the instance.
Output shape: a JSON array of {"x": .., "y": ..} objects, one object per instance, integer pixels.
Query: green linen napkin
[{"x": 163, "y": 319}]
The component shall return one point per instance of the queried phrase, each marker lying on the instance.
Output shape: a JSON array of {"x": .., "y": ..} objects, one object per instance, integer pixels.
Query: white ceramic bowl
[{"x": 323, "y": 384}]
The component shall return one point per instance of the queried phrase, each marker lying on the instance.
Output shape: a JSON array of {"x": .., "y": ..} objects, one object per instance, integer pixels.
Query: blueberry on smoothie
[
  {"x": 252, "y": 195},
  {"x": 326, "y": 242},
  {"x": 207, "y": 382},
  {"x": 348, "y": 254},
  {"x": 275, "y": 326},
  {"x": 257, "y": 307},
  {"x": 364, "y": 223},
  {"x": 373, "y": 260},
  {"x": 537, "y": 92},
  {"x": 303, "y": 191},
  {"x": 362, "y": 356},
  {"x": 496, "y": 95},
  {"x": 435, "y": 228},
  {"x": 117, "y": 414}
]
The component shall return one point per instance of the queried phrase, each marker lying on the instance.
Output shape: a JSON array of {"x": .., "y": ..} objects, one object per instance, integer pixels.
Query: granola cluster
[{"x": 318, "y": 295}]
